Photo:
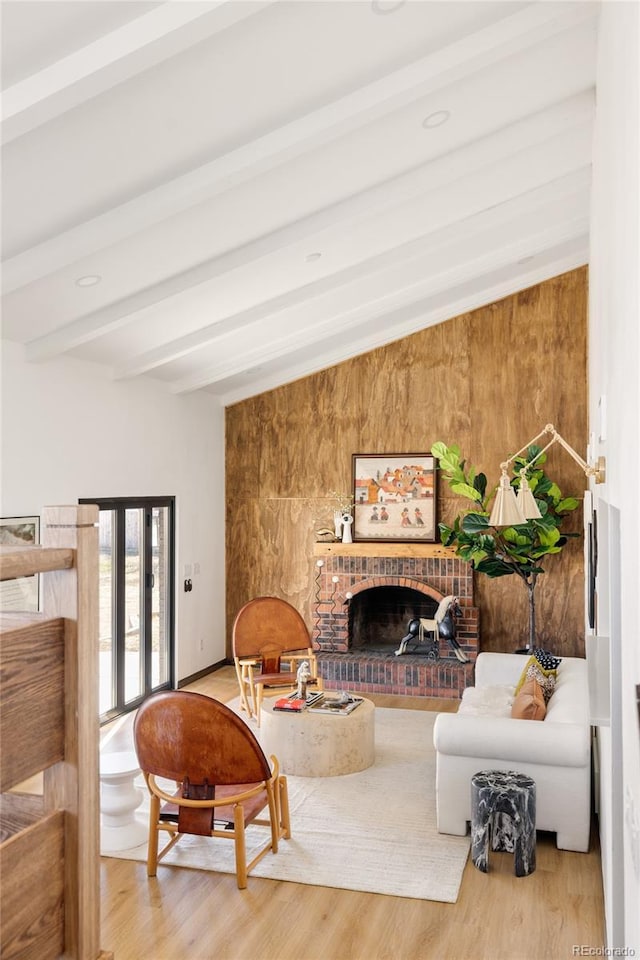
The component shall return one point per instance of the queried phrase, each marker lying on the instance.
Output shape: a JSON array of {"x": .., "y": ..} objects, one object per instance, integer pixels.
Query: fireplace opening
[{"x": 378, "y": 617}]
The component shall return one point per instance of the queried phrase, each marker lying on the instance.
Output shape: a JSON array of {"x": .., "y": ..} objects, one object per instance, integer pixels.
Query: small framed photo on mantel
[{"x": 394, "y": 497}]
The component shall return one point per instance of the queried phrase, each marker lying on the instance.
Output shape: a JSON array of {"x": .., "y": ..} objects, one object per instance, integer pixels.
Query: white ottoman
[{"x": 311, "y": 744}]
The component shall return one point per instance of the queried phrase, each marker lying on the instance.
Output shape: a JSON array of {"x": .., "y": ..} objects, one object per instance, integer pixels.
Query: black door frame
[{"x": 119, "y": 505}]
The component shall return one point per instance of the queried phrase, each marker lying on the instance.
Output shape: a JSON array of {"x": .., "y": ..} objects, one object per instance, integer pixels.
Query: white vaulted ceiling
[{"x": 265, "y": 188}]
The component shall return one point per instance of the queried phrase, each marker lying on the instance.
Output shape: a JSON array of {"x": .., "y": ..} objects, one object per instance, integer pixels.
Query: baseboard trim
[{"x": 203, "y": 673}]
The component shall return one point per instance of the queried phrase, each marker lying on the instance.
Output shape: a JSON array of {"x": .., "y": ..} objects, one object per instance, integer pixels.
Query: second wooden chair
[{"x": 269, "y": 639}]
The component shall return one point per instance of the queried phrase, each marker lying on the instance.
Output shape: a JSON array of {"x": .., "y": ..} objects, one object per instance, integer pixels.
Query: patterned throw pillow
[
  {"x": 545, "y": 677},
  {"x": 546, "y": 660}
]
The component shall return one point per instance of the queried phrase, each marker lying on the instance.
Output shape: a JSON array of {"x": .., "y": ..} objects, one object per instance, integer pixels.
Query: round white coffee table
[{"x": 312, "y": 744}]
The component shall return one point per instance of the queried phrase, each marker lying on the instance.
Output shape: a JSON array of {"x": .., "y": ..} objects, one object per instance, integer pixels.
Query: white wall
[
  {"x": 614, "y": 367},
  {"x": 70, "y": 431}
]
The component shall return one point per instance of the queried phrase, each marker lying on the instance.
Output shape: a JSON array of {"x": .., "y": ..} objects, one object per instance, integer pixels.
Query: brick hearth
[
  {"x": 411, "y": 675},
  {"x": 343, "y": 571}
]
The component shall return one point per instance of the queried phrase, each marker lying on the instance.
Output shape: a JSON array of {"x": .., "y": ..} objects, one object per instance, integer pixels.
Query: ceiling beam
[
  {"x": 503, "y": 39},
  {"x": 565, "y": 147},
  {"x": 419, "y": 316},
  {"x": 393, "y": 269},
  {"x": 402, "y": 310},
  {"x": 119, "y": 55}
]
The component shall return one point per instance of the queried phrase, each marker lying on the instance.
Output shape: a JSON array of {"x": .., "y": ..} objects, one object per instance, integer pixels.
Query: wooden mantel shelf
[{"x": 382, "y": 549}]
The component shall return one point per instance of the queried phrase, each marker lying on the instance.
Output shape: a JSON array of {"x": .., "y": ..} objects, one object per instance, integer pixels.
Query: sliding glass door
[{"x": 136, "y": 594}]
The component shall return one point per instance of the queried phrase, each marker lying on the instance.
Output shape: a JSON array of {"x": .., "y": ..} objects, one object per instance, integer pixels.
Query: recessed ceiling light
[
  {"x": 436, "y": 119},
  {"x": 89, "y": 280},
  {"x": 312, "y": 257},
  {"x": 386, "y": 6}
]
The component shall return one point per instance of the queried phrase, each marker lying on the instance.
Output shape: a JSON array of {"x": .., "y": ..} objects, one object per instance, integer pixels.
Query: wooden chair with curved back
[
  {"x": 269, "y": 634},
  {"x": 224, "y": 779}
]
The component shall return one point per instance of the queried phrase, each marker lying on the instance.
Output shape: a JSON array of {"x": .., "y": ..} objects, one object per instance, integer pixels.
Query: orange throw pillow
[{"x": 529, "y": 703}]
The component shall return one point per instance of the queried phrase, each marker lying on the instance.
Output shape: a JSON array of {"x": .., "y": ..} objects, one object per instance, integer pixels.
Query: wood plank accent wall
[{"x": 488, "y": 380}]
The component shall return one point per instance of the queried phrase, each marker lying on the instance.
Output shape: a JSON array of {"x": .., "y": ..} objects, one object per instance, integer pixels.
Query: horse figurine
[{"x": 442, "y": 625}]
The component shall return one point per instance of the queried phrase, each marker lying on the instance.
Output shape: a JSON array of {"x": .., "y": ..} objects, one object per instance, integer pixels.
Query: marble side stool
[{"x": 503, "y": 804}]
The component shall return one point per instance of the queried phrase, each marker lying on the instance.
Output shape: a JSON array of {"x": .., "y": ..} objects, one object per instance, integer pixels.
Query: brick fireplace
[{"x": 366, "y": 593}]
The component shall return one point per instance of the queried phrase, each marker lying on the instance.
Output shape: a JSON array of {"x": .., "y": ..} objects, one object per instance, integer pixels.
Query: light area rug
[{"x": 373, "y": 831}]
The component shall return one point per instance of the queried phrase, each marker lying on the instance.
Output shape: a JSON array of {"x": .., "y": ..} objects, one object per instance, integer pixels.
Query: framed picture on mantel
[{"x": 394, "y": 496}]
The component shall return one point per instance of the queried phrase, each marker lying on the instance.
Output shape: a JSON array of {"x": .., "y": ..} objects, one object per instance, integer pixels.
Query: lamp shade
[
  {"x": 526, "y": 500},
  {"x": 505, "y": 511}
]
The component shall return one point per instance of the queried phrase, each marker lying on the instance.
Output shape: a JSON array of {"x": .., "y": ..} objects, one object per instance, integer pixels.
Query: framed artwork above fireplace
[{"x": 394, "y": 497}]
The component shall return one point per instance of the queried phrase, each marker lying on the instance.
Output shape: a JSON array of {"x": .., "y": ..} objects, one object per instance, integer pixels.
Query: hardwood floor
[{"x": 192, "y": 915}]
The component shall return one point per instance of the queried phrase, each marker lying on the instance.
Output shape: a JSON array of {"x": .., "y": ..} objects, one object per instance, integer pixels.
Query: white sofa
[{"x": 555, "y": 751}]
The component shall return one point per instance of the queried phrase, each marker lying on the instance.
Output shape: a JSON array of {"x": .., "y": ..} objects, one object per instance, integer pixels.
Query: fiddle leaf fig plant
[{"x": 505, "y": 551}]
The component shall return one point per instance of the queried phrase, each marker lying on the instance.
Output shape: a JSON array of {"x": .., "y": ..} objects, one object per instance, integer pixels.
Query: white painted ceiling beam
[
  {"x": 394, "y": 269},
  {"x": 390, "y": 305},
  {"x": 464, "y": 57},
  {"x": 502, "y": 283},
  {"x": 119, "y": 55},
  {"x": 567, "y": 148}
]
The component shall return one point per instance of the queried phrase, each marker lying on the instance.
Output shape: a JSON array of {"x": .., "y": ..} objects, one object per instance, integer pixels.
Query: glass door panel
[
  {"x": 134, "y": 604},
  {"x": 106, "y": 628},
  {"x": 160, "y": 626}
]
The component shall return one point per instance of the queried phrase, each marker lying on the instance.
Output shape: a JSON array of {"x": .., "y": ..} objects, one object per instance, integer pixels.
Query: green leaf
[
  {"x": 464, "y": 490},
  {"x": 447, "y": 535},
  {"x": 449, "y": 457},
  {"x": 554, "y": 492},
  {"x": 569, "y": 503},
  {"x": 545, "y": 551},
  {"x": 535, "y": 453},
  {"x": 513, "y": 535},
  {"x": 486, "y": 542},
  {"x": 493, "y": 567},
  {"x": 480, "y": 483},
  {"x": 543, "y": 486},
  {"x": 439, "y": 450},
  {"x": 474, "y": 523},
  {"x": 546, "y": 523},
  {"x": 548, "y": 538},
  {"x": 522, "y": 559},
  {"x": 477, "y": 556}
]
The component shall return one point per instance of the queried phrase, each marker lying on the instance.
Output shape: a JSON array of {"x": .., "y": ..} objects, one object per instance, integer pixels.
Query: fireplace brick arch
[{"x": 390, "y": 581}]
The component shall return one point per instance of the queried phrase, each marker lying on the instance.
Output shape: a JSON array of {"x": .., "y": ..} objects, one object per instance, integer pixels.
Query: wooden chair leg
[
  {"x": 240, "y": 847},
  {"x": 152, "y": 847},
  {"x": 243, "y": 673},
  {"x": 274, "y": 815},
  {"x": 259, "y": 695},
  {"x": 283, "y": 804},
  {"x": 254, "y": 699}
]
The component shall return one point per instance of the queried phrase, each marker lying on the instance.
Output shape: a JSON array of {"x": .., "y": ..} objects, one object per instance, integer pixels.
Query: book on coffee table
[
  {"x": 294, "y": 704},
  {"x": 336, "y": 706}
]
